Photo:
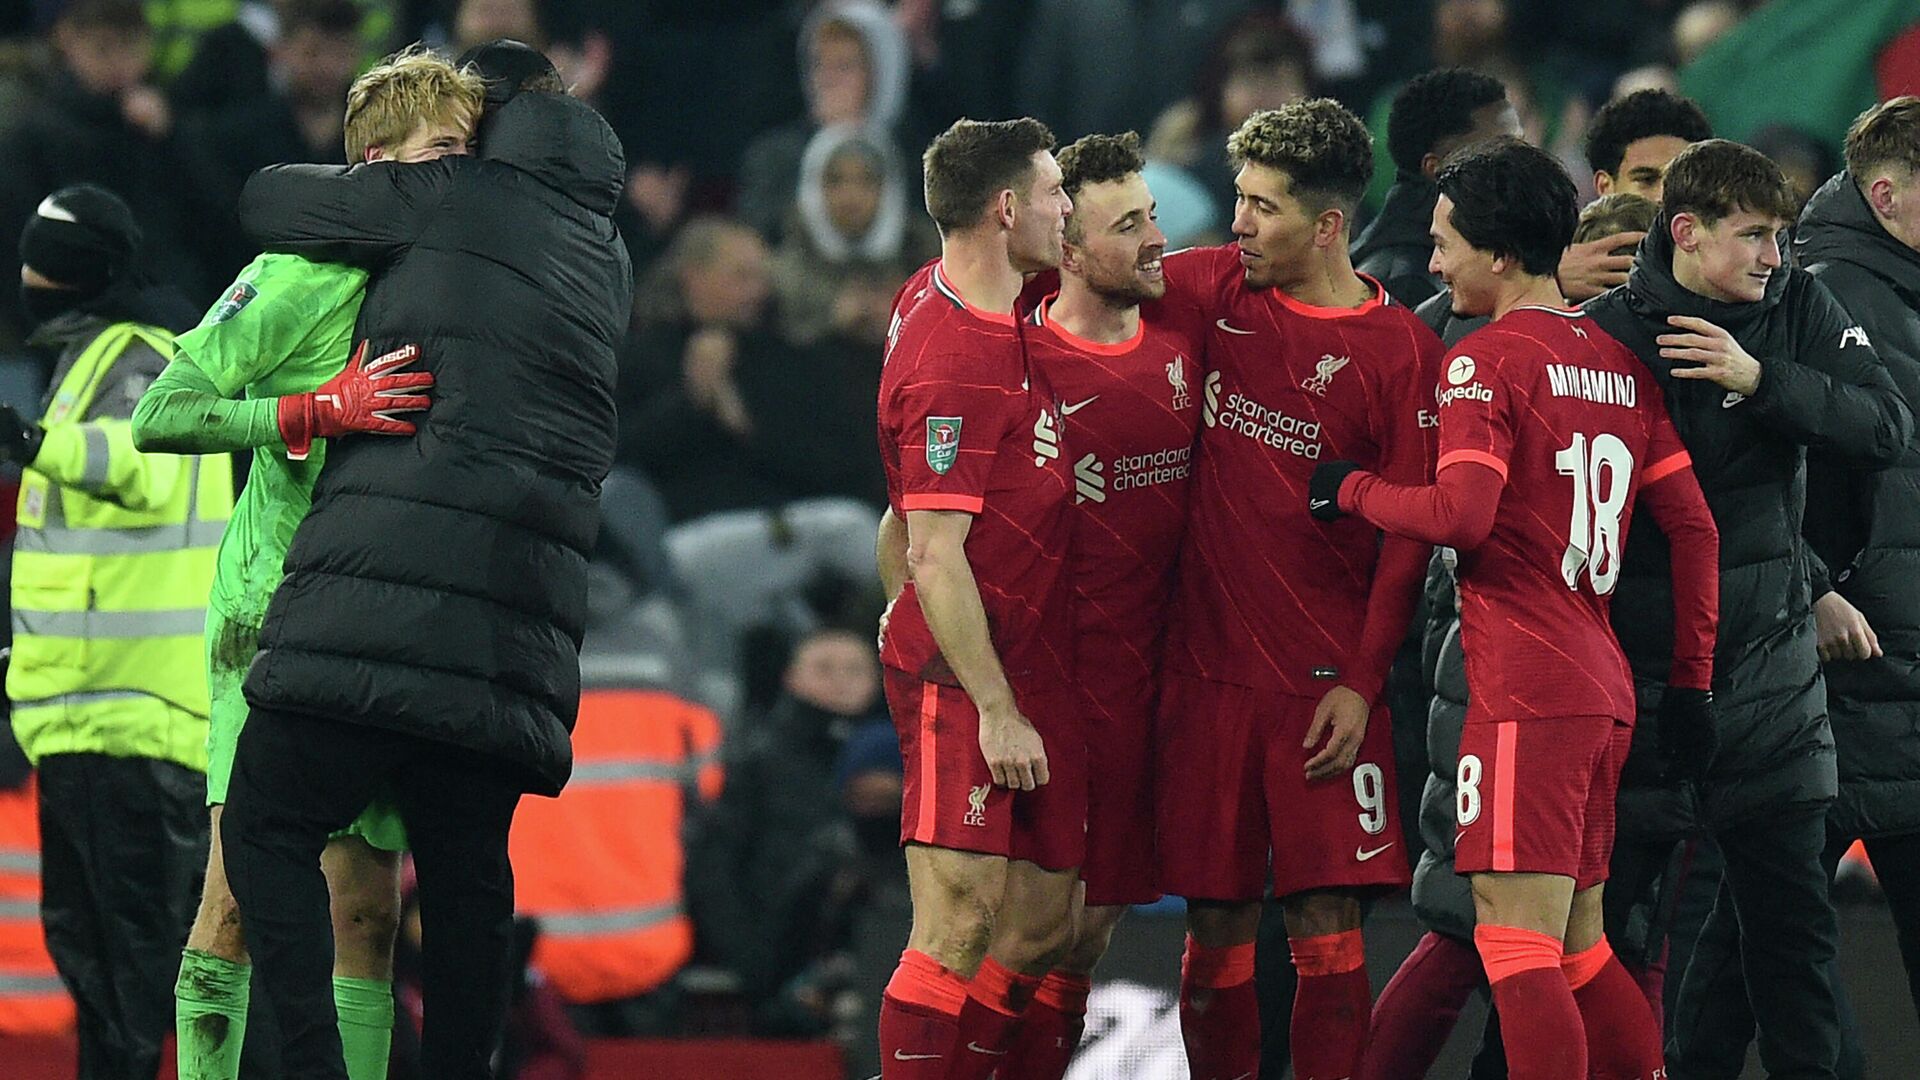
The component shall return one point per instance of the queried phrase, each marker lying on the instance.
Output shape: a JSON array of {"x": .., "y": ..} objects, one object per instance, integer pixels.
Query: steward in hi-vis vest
[{"x": 112, "y": 564}]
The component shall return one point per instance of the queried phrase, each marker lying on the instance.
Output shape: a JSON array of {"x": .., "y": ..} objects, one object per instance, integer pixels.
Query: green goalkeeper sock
[
  {"x": 365, "y": 1007},
  {"x": 210, "y": 1015}
]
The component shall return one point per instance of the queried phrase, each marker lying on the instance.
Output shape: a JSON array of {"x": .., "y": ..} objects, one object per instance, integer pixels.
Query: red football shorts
[
  {"x": 1119, "y": 868},
  {"x": 1231, "y": 790},
  {"x": 1537, "y": 795},
  {"x": 950, "y": 799}
]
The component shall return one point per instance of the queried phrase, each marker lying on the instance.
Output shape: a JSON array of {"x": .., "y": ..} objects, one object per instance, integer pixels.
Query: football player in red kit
[
  {"x": 1125, "y": 377},
  {"x": 1550, "y": 431},
  {"x": 977, "y": 644},
  {"x": 1272, "y": 752}
]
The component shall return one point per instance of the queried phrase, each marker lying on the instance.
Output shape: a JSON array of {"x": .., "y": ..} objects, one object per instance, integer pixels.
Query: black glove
[
  {"x": 1687, "y": 736},
  {"x": 19, "y": 437},
  {"x": 1323, "y": 491}
]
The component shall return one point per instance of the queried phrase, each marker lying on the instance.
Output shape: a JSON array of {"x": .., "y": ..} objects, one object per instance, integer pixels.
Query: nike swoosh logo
[
  {"x": 902, "y": 1055},
  {"x": 978, "y": 1049},
  {"x": 1069, "y": 410},
  {"x": 1230, "y": 328},
  {"x": 1318, "y": 504},
  {"x": 1732, "y": 399},
  {"x": 1362, "y": 855}
]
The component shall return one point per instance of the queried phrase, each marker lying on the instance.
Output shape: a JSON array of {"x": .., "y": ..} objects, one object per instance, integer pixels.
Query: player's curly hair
[
  {"x": 413, "y": 86},
  {"x": 1097, "y": 159},
  {"x": 1642, "y": 114},
  {"x": 1325, "y": 150},
  {"x": 1717, "y": 178},
  {"x": 1887, "y": 134},
  {"x": 1511, "y": 199},
  {"x": 1433, "y": 107},
  {"x": 970, "y": 163}
]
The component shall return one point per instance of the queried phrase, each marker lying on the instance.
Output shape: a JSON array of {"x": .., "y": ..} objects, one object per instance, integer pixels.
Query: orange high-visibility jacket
[
  {"x": 33, "y": 1001},
  {"x": 601, "y": 866}
]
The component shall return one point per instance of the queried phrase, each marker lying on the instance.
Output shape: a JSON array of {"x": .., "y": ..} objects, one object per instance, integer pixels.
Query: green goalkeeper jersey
[{"x": 285, "y": 326}]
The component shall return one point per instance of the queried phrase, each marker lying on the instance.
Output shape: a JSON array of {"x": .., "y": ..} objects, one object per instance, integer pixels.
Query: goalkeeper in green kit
[{"x": 263, "y": 372}]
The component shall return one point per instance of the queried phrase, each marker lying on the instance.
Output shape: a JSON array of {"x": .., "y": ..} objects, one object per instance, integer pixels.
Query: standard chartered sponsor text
[
  {"x": 1159, "y": 467},
  {"x": 1247, "y": 417}
]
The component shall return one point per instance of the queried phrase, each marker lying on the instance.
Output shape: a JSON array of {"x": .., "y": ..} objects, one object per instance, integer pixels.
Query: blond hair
[{"x": 413, "y": 86}]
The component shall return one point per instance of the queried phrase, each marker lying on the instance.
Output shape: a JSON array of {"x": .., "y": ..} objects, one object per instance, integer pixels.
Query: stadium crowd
[{"x": 734, "y": 822}]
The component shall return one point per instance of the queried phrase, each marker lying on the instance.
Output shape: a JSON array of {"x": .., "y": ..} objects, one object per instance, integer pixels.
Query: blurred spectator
[
  {"x": 774, "y": 865},
  {"x": 1646, "y": 77},
  {"x": 854, "y": 68},
  {"x": 715, "y": 408},
  {"x": 1699, "y": 25},
  {"x": 599, "y": 868},
  {"x": 1477, "y": 34},
  {"x": 100, "y": 122},
  {"x": 854, "y": 219},
  {"x": 1261, "y": 61},
  {"x": 230, "y": 64},
  {"x": 1432, "y": 116},
  {"x": 1806, "y": 161},
  {"x": 310, "y": 64},
  {"x": 1103, "y": 65},
  {"x": 1631, "y": 140}
]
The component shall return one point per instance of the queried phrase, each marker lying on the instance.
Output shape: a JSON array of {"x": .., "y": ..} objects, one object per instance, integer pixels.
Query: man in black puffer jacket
[
  {"x": 427, "y": 634},
  {"x": 1865, "y": 526},
  {"x": 1759, "y": 364}
]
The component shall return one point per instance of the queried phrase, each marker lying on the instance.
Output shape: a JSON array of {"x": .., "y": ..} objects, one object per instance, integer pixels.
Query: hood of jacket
[
  {"x": 561, "y": 142},
  {"x": 888, "y": 62},
  {"x": 1838, "y": 226}
]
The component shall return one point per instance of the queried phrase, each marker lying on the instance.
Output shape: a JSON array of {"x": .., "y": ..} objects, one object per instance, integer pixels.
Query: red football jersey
[
  {"x": 1130, "y": 413},
  {"x": 1267, "y": 596},
  {"x": 966, "y": 424},
  {"x": 1577, "y": 425}
]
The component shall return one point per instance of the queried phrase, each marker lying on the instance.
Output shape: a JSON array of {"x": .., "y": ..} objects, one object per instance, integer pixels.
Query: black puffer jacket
[
  {"x": 1395, "y": 247},
  {"x": 1866, "y": 525},
  {"x": 1821, "y": 388},
  {"x": 438, "y": 587}
]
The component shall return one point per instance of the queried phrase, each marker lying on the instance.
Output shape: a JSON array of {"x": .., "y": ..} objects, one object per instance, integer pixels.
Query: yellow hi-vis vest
[{"x": 112, "y": 564}]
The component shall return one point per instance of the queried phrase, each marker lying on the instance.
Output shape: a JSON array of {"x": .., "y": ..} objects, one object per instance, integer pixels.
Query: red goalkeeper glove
[{"x": 363, "y": 398}]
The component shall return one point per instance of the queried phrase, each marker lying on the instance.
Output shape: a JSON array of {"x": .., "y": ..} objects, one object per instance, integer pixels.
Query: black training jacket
[
  {"x": 1865, "y": 526},
  {"x": 439, "y": 585},
  {"x": 1395, "y": 247},
  {"x": 1822, "y": 388}
]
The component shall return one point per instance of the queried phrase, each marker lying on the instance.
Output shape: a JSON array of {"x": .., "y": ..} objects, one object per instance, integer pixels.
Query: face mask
[{"x": 44, "y": 304}]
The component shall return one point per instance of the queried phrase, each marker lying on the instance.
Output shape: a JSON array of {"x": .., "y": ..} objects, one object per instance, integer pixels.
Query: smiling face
[
  {"x": 1276, "y": 230},
  {"x": 1117, "y": 244},
  {"x": 1039, "y": 218},
  {"x": 430, "y": 140},
  {"x": 1467, "y": 270},
  {"x": 1730, "y": 260}
]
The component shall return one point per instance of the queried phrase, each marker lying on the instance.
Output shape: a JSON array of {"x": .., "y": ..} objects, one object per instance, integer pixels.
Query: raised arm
[{"x": 361, "y": 215}]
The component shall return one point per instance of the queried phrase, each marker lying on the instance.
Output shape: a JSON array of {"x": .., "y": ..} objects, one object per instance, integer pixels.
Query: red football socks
[
  {"x": 990, "y": 1020},
  {"x": 1219, "y": 1013},
  {"x": 918, "y": 1019},
  {"x": 1623, "y": 1039},
  {"x": 1539, "y": 1021},
  {"x": 1331, "y": 1005},
  {"x": 1050, "y": 1029},
  {"x": 1419, "y": 1008}
]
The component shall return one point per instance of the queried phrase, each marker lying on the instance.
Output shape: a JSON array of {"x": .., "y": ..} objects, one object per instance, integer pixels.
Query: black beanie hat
[
  {"x": 505, "y": 63},
  {"x": 81, "y": 236}
]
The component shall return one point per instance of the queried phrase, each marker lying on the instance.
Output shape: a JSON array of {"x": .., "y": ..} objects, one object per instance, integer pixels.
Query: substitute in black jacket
[
  {"x": 427, "y": 633},
  {"x": 1759, "y": 364}
]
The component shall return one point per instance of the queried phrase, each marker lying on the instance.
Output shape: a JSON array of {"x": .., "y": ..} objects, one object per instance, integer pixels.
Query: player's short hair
[
  {"x": 1718, "y": 177},
  {"x": 1097, "y": 159},
  {"x": 338, "y": 18},
  {"x": 413, "y": 86},
  {"x": 1325, "y": 150},
  {"x": 1434, "y": 107},
  {"x": 1622, "y": 211},
  {"x": 973, "y": 161},
  {"x": 1512, "y": 199},
  {"x": 1642, "y": 114},
  {"x": 1887, "y": 134}
]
